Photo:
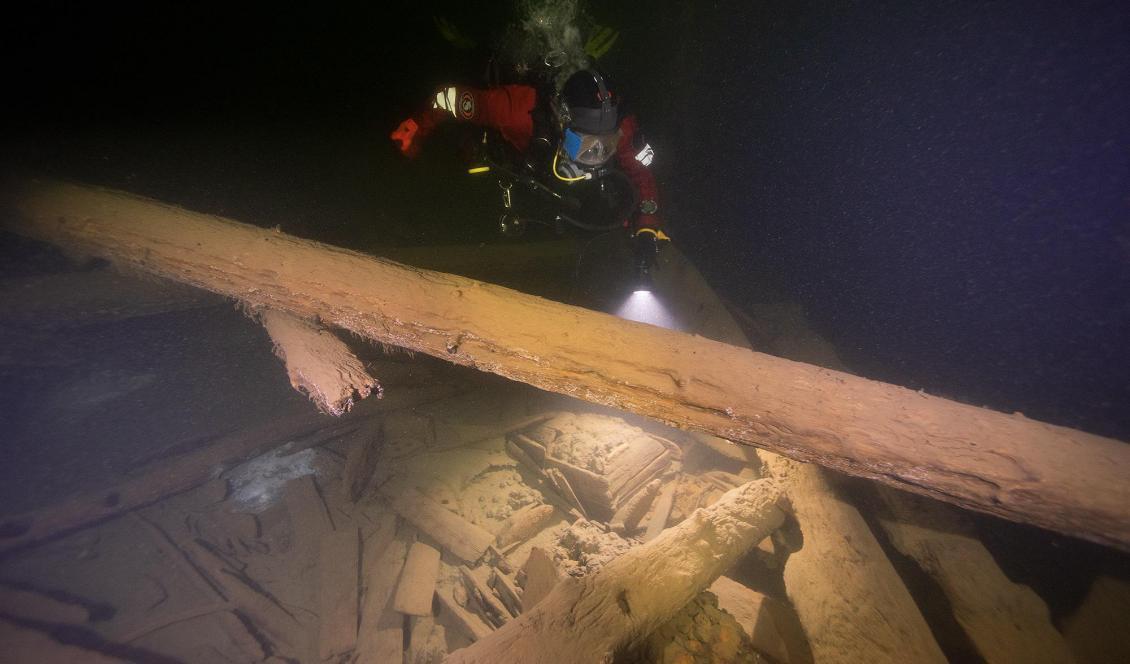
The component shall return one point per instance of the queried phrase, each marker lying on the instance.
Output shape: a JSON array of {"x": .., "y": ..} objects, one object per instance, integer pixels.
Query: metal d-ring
[{"x": 506, "y": 201}]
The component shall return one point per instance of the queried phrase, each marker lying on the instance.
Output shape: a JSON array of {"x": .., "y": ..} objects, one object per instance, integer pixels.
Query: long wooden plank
[
  {"x": 454, "y": 533},
  {"x": 1008, "y": 465}
]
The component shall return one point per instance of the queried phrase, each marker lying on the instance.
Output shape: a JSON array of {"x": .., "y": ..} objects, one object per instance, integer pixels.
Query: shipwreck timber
[{"x": 1057, "y": 478}]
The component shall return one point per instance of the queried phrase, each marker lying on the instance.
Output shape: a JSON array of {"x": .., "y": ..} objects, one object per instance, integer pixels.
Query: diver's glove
[{"x": 405, "y": 138}]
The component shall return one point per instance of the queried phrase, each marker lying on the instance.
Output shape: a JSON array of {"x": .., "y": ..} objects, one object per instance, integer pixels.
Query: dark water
[{"x": 943, "y": 187}]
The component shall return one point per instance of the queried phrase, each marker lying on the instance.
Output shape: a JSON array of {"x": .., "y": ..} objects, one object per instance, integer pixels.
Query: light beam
[{"x": 643, "y": 307}]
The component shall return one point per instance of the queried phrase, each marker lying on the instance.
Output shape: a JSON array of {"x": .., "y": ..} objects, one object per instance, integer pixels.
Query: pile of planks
[{"x": 596, "y": 462}]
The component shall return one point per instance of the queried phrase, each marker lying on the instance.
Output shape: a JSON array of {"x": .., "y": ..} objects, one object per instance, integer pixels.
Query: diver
[{"x": 570, "y": 144}]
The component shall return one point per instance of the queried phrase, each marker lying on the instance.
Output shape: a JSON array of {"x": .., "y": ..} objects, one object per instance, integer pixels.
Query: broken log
[
  {"x": 1019, "y": 469},
  {"x": 318, "y": 364},
  {"x": 588, "y": 619}
]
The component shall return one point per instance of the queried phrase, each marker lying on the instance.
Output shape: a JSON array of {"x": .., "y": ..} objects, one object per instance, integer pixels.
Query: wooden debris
[
  {"x": 427, "y": 642},
  {"x": 771, "y": 626},
  {"x": 309, "y": 516},
  {"x": 499, "y": 560},
  {"x": 465, "y": 540},
  {"x": 451, "y": 434},
  {"x": 507, "y": 592},
  {"x": 417, "y": 581},
  {"x": 252, "y": 599},
  {"x": 380, "y": 637},
  {"x": 559, "y": 481},
  {"x": 33, "y": 605},
  {"x": 853, "y": 604},
  {"x": 524, "y": 524},
  {"x": 1008, "y": 465},
  {"x": 627, "y": 517},
  {"x": 214, "y": 577},
  {"x": 166, "y": 479},
  {"x": 493, "y": 609},
  {"x": 157, "y": 623},
  {"x": 588, "y": 619},
  {"x": 617, "y": 470},
  {"x": 541, "y": 575},
  {"x": 840, "y": 570},
  {"x": 241, "y": 636},
  {"x": 361, "y": 460},
  {"x": 338, "y": 602},
  {"x": 534, "y": 452},
  {"x": 473, "y": 627},
  {"x": 518, "y": 452},
  {"x": 658, "y": 521},
  {"x": 1005, "y": 621},
  {"x": 1097, "y": 630},
  {"x": 319, "y": 364}
]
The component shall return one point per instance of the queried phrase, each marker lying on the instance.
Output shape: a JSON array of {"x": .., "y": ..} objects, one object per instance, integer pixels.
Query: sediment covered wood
[
  {"x": 338, "y": 571},
  {"x": 318, "y": 364},
  {"x": 1007, "y": 465},
  {"x": 462, "y": 538},
  {"x": 1005, "y": 621},
  {"x": 164, "y": 479},
  {"x": 587, "y": 619},
  {"x": 380, "y": 636},
  {"x": 417, "y": 581},
  {"x": 851, "y": 601}
]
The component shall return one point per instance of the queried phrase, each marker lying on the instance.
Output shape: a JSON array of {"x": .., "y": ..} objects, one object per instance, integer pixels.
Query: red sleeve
[
  {"x": 505, "y": 108},
  {"x": 640, "y": 175}
]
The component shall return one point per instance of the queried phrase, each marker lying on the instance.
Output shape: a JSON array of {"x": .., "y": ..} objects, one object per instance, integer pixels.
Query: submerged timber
[{"x": 1028, "y": 471}]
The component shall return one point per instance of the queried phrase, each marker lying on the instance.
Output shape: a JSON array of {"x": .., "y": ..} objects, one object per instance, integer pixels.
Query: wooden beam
[
  {"x": 590, "y": 618},
  {"x": 1008, "y": 465}
]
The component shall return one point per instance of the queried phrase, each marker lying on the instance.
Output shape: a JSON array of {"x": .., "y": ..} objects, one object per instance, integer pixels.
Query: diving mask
[{"x": 590, "y": 149}]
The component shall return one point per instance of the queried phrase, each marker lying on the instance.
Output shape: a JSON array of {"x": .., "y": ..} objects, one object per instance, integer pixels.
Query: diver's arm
[
  {"x": 634, "y": 157},
  {"x": 505, "y": 108}
]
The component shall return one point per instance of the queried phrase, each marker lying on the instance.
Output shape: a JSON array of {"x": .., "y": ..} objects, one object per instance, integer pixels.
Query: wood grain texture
[
  {"x": 1019, "y": 469},
  {"x": 588, "y": 619}
]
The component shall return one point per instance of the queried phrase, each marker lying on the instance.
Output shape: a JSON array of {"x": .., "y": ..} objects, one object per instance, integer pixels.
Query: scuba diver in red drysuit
[{"x": 579, "y": 131}]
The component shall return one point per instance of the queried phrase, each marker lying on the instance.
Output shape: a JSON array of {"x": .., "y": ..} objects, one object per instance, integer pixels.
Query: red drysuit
[{"x": 508, "y": 109}]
